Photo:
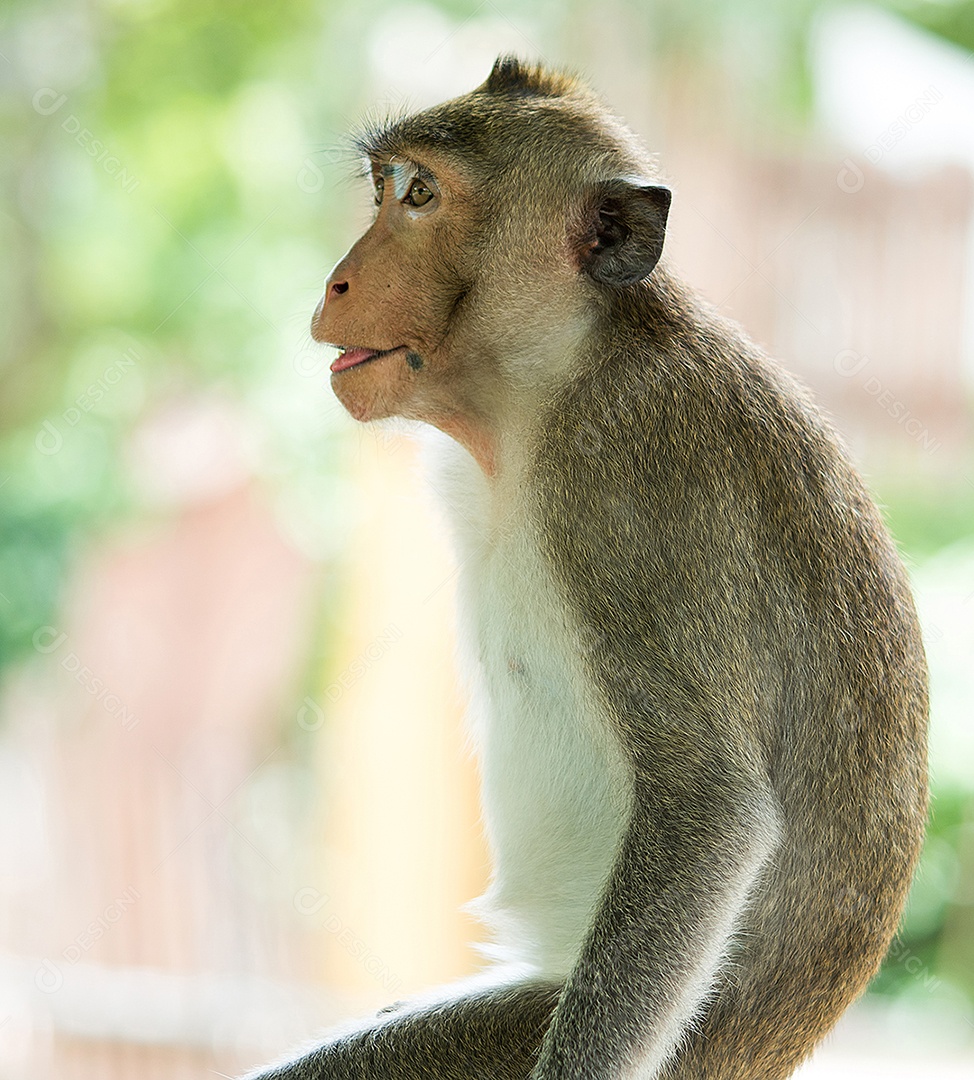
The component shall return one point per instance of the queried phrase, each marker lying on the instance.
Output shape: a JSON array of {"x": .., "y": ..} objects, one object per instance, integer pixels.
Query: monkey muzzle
[
  {"x": 352, "y": 357},
  {"x": 349, "y": 357}
]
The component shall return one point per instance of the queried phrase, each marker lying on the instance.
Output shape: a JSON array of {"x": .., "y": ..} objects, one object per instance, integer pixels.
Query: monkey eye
[
  {"x": 418, "y": 194},
  {"x": 379, "y": 189}
]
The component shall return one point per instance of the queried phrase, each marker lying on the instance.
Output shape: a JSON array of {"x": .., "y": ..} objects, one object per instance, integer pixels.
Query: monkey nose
[{"x": 332, "y": 289}]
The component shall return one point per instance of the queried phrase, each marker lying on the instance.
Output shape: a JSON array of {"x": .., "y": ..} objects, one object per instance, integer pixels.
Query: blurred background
[{"x": 235, "y": 804}]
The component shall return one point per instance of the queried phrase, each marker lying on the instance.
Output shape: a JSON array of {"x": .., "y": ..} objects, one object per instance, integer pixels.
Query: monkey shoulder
[{"x": 692, "y": 487}]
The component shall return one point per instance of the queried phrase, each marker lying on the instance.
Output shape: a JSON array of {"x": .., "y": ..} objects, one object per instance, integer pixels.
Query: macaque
[{"x": 698, "y": 683}]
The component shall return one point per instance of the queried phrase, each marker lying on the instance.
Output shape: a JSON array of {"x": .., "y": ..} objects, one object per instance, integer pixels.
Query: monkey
[{"x": 698, "y": 686}]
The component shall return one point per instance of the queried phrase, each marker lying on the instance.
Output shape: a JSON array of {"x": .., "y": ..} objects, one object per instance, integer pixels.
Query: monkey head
[{"x": 488, "y": 263}]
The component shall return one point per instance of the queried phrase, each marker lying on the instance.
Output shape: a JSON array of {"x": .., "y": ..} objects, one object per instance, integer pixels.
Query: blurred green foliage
[
  {"x": 952, "y": 20},
  {"x": 934, "y": 945},
  {"x": 926, "y": 518},
  {"x": 151, "y": 210}
]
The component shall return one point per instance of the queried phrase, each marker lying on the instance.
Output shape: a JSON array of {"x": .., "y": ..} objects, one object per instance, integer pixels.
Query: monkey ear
[{"x": 624, "y": 238}]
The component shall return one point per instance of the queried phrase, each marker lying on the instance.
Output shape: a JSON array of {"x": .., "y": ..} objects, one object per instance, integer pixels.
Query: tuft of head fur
[{"x": 510, "y": 75}]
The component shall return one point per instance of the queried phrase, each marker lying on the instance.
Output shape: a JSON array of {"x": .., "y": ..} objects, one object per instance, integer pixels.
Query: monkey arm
[
  {"x": 491, "y": 1034},
  {"x": 688, "y": 864}
]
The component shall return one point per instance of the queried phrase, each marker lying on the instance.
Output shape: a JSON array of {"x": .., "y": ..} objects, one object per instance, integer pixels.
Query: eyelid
[{"x": 388, "y": 169}]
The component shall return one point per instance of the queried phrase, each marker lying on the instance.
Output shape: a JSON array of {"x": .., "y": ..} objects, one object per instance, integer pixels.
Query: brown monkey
[{"x": 700, "y": 686}]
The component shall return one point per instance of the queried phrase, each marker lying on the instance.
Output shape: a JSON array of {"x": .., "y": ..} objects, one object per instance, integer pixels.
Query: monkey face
[
  {"x": 391, "y": 303},
  {"x": 426, "y": 307}
]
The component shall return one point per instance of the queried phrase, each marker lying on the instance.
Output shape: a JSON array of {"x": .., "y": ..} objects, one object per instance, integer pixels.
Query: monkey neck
[
  {"x": 475, "y": 412},
  {"x": 474, "y": 433}
]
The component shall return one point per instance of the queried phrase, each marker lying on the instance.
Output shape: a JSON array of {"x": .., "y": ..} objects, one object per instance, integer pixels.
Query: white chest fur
[{"x": 555, "y": 782}]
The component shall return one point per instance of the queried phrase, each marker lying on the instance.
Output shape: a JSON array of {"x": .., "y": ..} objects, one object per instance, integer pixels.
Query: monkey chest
[{"x": 555, "y": 781}]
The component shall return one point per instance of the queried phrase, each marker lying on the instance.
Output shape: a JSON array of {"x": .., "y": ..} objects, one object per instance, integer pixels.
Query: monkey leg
[{"x": 489, "y": 1035}]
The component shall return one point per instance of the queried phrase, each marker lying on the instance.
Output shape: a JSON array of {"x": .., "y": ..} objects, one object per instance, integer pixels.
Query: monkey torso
[{"x": 687, "y": 537}]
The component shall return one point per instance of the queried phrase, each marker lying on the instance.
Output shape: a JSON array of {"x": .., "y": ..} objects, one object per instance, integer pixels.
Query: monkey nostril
[{"x": 339, "y": 287}]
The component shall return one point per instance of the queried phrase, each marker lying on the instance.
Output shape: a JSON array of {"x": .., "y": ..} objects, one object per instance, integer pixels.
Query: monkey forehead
[{"x": 484, "y": 133}]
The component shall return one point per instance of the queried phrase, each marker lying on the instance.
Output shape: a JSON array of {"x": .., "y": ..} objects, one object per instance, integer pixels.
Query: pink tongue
[{"x": 351, "y": 358}]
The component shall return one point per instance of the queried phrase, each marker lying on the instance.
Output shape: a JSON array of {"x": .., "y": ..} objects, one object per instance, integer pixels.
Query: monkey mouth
[{"x": 351, "y": 356}]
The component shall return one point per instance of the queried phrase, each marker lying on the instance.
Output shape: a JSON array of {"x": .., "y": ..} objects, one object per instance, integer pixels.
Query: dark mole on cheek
[{"x": 414, "y": 360}]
